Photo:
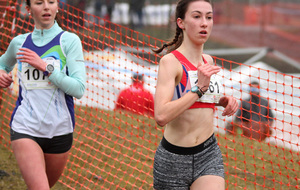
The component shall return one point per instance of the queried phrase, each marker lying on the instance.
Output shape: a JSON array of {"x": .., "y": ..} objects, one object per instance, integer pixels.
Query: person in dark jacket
[
  {"x": 136, "y": 9},
  {"x": 254, "y": 117}
]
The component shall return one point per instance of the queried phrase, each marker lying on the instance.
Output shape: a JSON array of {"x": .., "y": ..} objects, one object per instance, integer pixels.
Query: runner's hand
[
  {"x": 5, "y": 79},
  {"x": 230, "y": 104},
  {"x": 205, "y": 71},
  {"x": 28, "y": 56}
]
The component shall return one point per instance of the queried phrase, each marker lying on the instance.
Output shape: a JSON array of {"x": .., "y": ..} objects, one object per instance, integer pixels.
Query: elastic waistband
[{"x": 188, "y": 150}]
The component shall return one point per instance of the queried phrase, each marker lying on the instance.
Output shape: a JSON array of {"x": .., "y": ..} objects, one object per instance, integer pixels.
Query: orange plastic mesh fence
[{"x": 114, "y": 149}]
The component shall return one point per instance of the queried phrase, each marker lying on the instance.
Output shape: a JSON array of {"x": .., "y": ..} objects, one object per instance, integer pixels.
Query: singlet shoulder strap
[{"x": 183, "y": 60}]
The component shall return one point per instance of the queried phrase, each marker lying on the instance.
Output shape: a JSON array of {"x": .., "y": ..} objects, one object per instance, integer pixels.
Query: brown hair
[{"x": 181, "y": 9}]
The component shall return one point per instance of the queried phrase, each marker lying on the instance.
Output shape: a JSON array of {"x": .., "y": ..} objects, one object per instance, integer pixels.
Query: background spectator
[
  {"x": 254, "y": 116},
  {"x": 98, "y": 9},
  {"x": 110, "y": 5},
  {"x": 136, "y": 9},
  {"x": 78, "y": 17},
  {"x": 136, "y": 98}
]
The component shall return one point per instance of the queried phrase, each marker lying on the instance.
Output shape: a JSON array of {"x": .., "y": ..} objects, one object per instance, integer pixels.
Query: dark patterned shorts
[{"x": 177, "y": 167}]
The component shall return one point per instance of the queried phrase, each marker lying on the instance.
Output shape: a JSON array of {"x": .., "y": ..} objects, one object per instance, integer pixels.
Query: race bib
[
  {"x": 33, "y": 78},
  {"x": 213, "y": 93}
]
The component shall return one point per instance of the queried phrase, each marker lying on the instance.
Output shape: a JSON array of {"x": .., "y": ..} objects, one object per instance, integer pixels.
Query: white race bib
[
  {"x": 213, "y": 93},
  {"x": 33, "y": 78}
]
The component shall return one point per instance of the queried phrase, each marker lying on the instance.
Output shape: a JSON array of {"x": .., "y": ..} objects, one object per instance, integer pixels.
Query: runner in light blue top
[
  {"x": 67, "y": 80},
  {"x": 51, "y": 72}
]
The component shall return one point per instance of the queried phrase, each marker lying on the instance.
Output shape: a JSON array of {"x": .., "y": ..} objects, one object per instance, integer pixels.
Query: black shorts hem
[{"x": 56, "y": 145}]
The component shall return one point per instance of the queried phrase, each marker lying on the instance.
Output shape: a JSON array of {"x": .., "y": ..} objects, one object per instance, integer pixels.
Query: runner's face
[
  {"x": 43, "y": 12},
  {"x": 198, "y": 21}
]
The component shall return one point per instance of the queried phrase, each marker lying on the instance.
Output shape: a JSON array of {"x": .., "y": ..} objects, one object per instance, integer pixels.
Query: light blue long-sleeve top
[
  {"x": 47, "y": 112},
  {"x": 74, "y": 84}
]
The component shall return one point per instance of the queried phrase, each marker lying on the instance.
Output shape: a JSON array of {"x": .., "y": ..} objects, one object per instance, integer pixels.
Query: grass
[{"x": 115, "y": 150}]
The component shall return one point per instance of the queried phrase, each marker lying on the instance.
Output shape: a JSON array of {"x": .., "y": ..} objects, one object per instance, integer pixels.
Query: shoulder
[
  {"x": 69, "y": 36},
  {"x": 170, "y": 64},
  {"x": 209, "y": 59},
  {"x": 246, "y": 102},
  {"x": 169, "y": 59},
  {"x": 264, "y": 101},
  {"x": 17, "y": 41},
  {"x": 146, "y": 90},
  {"x": 20, "y": 38},
  {"x": 71, "y": 42},
  {"x": 125, "y": 90}
]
